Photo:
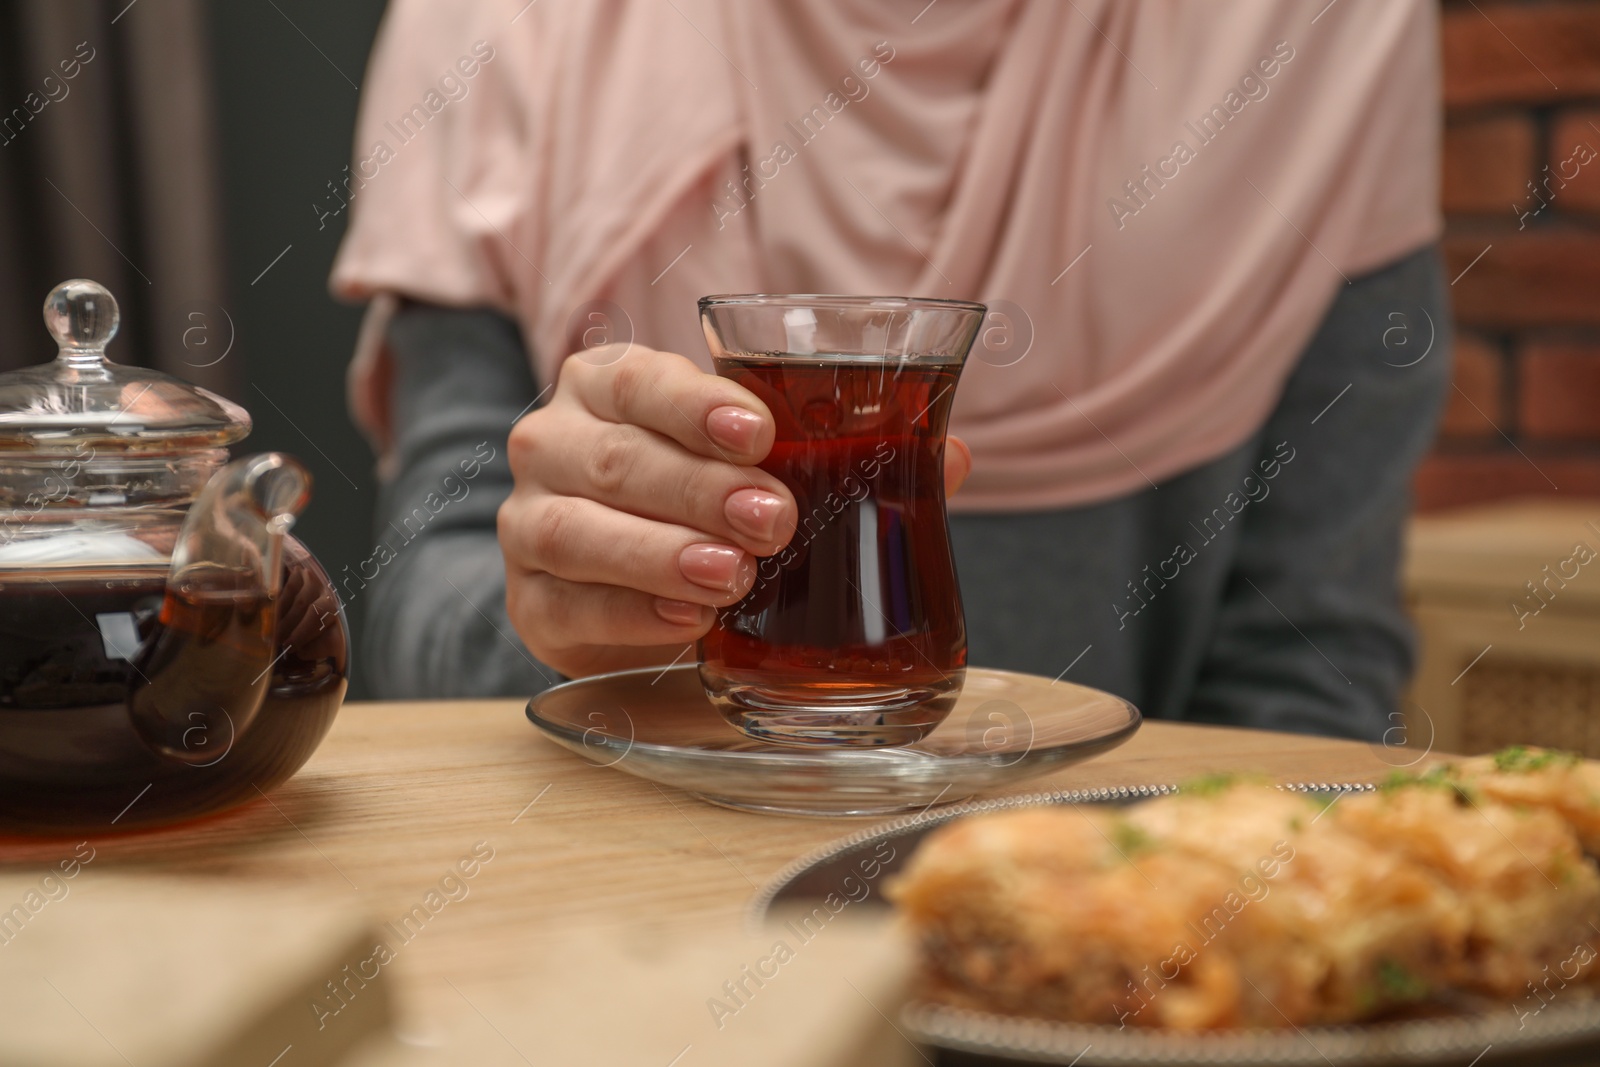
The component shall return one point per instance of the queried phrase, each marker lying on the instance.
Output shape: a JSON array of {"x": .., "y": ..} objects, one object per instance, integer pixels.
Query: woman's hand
[{"x": 638, "y": 508}]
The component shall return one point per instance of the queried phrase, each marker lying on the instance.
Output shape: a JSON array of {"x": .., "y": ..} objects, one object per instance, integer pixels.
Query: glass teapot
[{"x": 167, "y": 650}]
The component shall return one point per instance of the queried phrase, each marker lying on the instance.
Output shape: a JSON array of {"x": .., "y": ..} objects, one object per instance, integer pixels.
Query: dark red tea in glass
[{"x": 853, "y": 634}]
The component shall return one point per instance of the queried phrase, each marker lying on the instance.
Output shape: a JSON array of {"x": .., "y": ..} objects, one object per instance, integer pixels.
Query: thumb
[{"x": 957, "y": 463}]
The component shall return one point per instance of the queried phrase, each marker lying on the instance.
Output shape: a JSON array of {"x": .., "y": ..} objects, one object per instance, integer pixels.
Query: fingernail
[
  {"x": 754, "y": 513},
  {"x": 713, "y": 566},
  {"x": 733, "y": 427},
  {"x": 680, "y": 611}
]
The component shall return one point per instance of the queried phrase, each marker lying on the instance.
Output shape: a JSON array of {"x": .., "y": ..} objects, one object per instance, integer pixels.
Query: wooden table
[{"x": 400, "y": 792}]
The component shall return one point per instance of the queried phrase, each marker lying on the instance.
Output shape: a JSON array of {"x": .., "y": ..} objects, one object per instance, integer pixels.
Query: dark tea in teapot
[{"x": 71, "y": 676}]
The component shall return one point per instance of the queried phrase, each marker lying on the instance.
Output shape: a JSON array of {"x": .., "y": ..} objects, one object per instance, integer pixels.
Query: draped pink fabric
[{"x": 1159, "y": 198}]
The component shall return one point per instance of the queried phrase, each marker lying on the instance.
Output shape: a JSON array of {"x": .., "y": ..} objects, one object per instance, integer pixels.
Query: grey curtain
[{"x": 108, "y": 170}]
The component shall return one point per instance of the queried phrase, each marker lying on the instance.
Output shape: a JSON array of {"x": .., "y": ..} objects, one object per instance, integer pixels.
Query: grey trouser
[{"x": 1258, "y": 589}]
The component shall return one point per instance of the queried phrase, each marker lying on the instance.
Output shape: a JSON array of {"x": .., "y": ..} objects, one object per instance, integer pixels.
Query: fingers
[
  {"x": 572, "y": 615},
  {"x": 664, "y": 392},
  {"x": 640, "y": 472},
  {"x": 585, "y": 542},
  {"x": 957, "y": 464}
]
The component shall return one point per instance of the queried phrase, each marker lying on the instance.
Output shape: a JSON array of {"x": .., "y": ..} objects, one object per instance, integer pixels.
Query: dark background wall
[{"x": 286, "y": 74}]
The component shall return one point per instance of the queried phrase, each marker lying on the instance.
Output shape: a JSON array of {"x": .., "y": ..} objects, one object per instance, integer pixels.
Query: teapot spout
[{"x": 204, "y": 672}]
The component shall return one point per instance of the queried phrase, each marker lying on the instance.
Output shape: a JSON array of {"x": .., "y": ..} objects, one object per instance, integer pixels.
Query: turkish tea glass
[{"x": 853, "y": 634}]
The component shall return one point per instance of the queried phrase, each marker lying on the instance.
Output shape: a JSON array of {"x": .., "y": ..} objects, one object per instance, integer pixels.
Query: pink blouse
[{"x": 1158, "y": 198}]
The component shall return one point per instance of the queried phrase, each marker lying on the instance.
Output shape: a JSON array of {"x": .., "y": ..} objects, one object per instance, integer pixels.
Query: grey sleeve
[{"x": 436, "y": 623}]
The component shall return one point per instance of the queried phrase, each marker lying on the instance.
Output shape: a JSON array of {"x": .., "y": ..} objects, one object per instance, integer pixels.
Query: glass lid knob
[{"x": 82, "y": 316}]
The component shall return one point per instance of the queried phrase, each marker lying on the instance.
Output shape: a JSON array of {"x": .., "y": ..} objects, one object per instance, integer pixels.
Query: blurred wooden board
[
  {"x": 708, "y": 997},
  {"x": 101, "y": 968},
  {"x": 404, "y": 799}
]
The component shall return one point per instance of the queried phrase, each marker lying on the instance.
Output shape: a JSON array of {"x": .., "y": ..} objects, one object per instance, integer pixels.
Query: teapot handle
[{"x": 205, "y": 671}]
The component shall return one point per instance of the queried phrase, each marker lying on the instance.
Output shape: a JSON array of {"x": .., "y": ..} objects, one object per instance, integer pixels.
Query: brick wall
[{"x": 1522, "y": 104}]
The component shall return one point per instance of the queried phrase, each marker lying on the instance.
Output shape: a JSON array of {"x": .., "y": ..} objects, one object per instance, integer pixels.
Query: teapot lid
[{"x": 82, "y": 397}]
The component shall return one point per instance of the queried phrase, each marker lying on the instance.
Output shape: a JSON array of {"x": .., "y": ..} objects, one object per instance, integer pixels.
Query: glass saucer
[{"x": 659, "y": 725}]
